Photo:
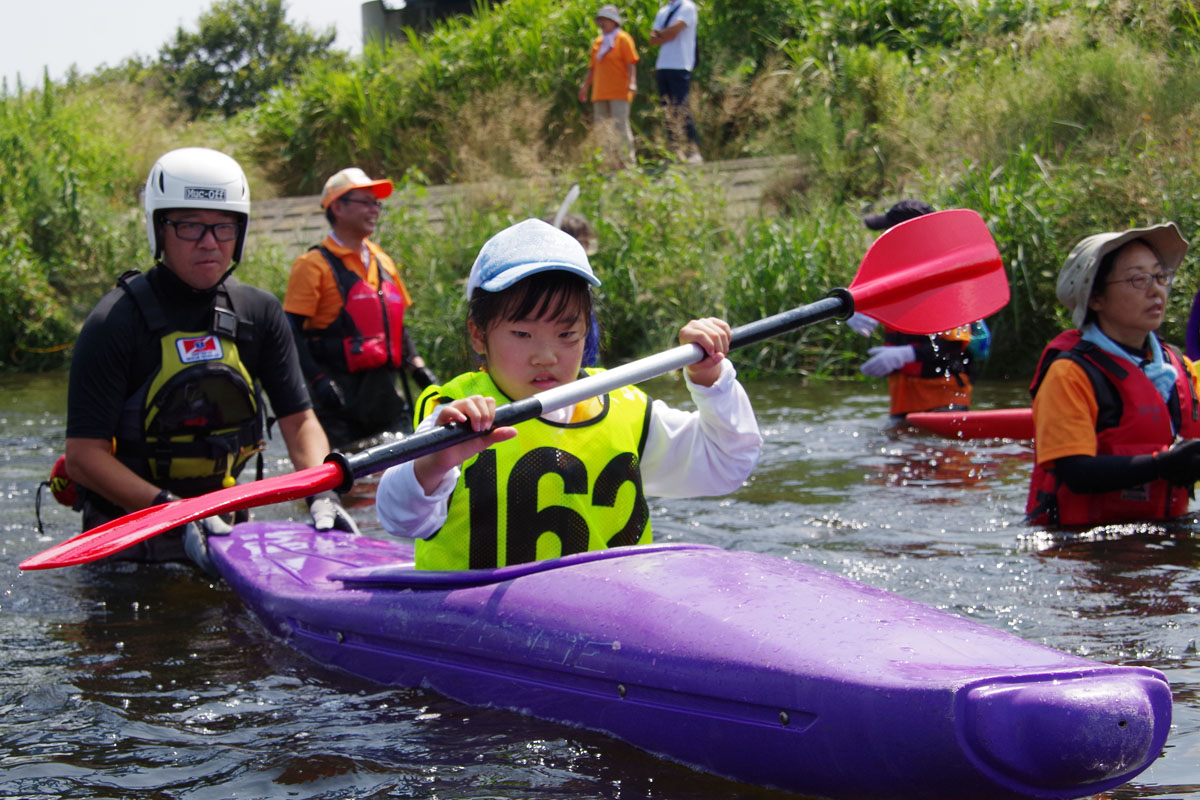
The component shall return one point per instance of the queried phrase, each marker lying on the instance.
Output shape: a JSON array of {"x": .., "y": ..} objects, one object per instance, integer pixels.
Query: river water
[{"x": 154, "y": 682}]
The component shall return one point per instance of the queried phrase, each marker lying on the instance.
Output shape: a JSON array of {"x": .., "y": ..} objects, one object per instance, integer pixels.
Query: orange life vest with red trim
[
  {"x": 370, "y": 326},
  {"x": 1132, "y": 420}
]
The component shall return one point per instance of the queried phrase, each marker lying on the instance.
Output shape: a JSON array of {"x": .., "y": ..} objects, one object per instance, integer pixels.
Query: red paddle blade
[
  {"x": 112, "y": 537},
  {"x": 932, "y": 274}
]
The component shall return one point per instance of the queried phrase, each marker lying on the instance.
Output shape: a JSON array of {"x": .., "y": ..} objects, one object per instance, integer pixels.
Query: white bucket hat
[
  {"x": 1079, "y": 271},
  {"x": 610, "y": 12}
]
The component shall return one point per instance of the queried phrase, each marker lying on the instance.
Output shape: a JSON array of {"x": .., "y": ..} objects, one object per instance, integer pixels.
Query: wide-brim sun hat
[
  {"x": 525, "y": 249},
  {"x": 1078, "y": 274},
  {"x": 610, "y": 11},
  {"x": 350, "y": 179}
]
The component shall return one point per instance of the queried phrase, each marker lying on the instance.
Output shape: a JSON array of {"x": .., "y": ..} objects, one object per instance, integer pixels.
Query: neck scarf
[
  {"x": 606, "y": 43},
  {"x": 1160, "y": 373}
]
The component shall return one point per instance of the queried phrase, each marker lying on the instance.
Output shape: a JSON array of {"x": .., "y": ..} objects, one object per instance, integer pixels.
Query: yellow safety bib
[{"x": 552, "y": 490}]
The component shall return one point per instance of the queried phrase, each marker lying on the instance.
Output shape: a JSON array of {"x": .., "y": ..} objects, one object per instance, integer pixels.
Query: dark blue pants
[{"x": 673, "y": 87}]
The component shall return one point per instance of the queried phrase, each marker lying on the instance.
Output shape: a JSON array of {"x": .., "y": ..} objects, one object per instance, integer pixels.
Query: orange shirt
[
  {"x": 312, "y": 290},
  {"x": 1065, "y": 412},
  {"x": 610, "y": 75}
]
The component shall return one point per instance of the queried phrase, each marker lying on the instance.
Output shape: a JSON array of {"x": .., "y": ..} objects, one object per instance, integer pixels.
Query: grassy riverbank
[{"x": 1053, "y": 120}]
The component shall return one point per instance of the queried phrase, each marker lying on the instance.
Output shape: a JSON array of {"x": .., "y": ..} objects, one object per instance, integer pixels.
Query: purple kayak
[{"x": 749, "y": 666}]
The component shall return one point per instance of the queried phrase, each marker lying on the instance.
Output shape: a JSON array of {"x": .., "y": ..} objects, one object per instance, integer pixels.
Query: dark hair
[
  {"x": 553, "y": 294},
  {"x": 332, "y": 220}
]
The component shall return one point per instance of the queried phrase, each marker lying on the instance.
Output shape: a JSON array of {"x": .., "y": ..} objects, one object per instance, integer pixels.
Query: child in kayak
[{"x": 571, "y": 480}]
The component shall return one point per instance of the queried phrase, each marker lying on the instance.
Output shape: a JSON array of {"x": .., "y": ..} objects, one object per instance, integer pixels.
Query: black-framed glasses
[
  {"x": 194, "y": 231},
  {"x": 372, "y": 203},
  {"x": 1141, "y": 281}
]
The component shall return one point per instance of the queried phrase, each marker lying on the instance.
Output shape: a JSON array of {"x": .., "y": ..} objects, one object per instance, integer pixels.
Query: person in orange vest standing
[{"x": 346, "y": 303}]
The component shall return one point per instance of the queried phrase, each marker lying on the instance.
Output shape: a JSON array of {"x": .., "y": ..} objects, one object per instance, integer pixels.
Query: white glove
[
  {"x": 327, "y": 513},
  {"x": 887, "y": 359},
  {"x": 195, "y": 541},
  {"x": 862, "y": 324}
]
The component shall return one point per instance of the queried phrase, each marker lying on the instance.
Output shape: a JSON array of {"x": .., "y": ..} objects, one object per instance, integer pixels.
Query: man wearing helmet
[{"x": 166, "y": 384}]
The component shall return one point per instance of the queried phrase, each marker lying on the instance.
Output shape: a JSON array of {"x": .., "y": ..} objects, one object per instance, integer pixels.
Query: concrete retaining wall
[{"x": 300, "y": 222}]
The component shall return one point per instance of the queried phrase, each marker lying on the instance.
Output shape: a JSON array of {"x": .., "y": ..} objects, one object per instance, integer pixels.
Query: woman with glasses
[
  {"x": 1115, "y": 409},
  {"x": 346, "y": 302}
]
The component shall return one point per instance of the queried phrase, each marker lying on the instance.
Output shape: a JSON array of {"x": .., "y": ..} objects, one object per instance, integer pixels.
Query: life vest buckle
[{"x": 225, "y": 323}]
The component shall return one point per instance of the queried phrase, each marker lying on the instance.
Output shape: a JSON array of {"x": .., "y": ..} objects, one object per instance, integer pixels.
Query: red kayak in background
[{"x": 999, "y": 423}]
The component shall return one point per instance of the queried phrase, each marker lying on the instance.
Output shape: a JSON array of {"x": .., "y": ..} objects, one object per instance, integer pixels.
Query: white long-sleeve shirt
[{"x": 709, "y": 451}]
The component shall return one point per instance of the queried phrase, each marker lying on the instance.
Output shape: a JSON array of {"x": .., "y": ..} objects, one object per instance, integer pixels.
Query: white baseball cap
[{"x": 523, "y": 249}]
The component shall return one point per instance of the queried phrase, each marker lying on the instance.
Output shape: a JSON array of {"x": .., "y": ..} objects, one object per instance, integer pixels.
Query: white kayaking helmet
[{"x": 196, "y": 177}]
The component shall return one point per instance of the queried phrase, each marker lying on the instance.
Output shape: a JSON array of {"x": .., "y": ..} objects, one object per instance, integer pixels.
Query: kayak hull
[
  {"x": 744, "y": 665},
  {"x": 998, "y": 423}
]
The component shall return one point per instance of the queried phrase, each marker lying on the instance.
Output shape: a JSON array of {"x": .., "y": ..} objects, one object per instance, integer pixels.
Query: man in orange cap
[{"x": 346, "y": 303}]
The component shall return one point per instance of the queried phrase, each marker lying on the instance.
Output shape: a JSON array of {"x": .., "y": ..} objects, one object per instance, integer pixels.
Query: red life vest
[
  {"x": 370, "y": 326},
  {"x": 1132, "y": 420}
]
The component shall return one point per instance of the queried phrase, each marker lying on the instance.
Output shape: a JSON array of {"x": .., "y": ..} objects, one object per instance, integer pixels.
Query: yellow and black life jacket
[{"x": 199, "y": 418}]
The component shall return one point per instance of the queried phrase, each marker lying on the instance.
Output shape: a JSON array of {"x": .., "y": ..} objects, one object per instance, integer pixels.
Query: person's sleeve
[
  {"x": 100, "y": 369},
  {"x": 630, "y": 55},
  {"x": 1190, "y": 366},
  {"x": 709, "y": 451},
  {"x": 279, "y": 370},
  {"x": 1065, "y": 413},
  {"x": 403, "y": 508},
  {"x": 303, "y": 286}
]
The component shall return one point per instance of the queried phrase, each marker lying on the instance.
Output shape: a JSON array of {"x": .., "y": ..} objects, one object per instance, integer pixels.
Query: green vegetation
[
  {"x": 1051, "y": 119},
  {"x": 241, "y": 50}
]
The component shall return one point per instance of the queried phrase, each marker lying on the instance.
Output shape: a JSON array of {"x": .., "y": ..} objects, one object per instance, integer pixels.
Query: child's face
[
  {"x": 528, "y": 356},
  {"x": 606, "y": 24}
]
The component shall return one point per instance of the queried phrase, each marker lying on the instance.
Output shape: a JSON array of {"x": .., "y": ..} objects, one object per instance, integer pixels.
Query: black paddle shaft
[{"x": 838, "y": 305}]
